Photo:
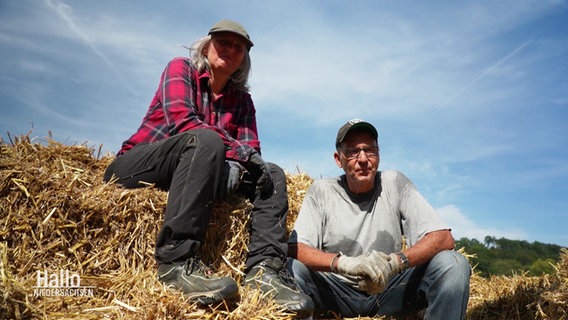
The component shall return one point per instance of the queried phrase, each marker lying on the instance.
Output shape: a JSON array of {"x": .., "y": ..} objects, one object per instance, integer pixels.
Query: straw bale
[
  {"x": 520, "y": 296},
  {"x": 56, "y": 213}
]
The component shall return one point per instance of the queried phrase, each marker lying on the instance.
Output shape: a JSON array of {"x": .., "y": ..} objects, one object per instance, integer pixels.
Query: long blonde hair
[{"x": 238, "y": 80}]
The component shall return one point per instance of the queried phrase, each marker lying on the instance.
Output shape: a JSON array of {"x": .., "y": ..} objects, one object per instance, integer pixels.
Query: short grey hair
[{"x": 238, "y": 80}]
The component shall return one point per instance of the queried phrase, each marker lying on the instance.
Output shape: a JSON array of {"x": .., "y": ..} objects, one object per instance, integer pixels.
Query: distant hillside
[{"x": 506, "y": 257}]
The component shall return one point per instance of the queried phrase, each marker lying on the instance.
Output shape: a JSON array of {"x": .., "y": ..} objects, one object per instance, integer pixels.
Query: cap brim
[
  {"x": 364, "y": 125},
  {"x": 247, "y": 40},
  {"x": 359, "y": 125}
]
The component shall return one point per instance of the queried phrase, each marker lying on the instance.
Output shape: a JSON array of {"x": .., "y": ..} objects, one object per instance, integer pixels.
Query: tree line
[{"x": 506, "y": 257}]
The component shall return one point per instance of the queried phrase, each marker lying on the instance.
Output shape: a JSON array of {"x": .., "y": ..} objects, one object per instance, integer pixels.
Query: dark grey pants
[{"x": 190, "y": 167}]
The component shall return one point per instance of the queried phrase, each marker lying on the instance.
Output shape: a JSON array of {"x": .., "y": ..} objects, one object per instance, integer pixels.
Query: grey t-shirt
[{"x": 334, "y": 220}]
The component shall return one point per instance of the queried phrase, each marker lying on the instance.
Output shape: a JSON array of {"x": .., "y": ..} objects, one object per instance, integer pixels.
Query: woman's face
[{"x": 225, "y": 53}]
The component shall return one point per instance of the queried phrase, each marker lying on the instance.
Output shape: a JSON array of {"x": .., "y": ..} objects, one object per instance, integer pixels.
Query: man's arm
[
  {"x": 313, "y": 258},
  {"x": 371, "y": 269},
  {"x": 422, "y": 252},
  {"x": 427, "y": 247}
]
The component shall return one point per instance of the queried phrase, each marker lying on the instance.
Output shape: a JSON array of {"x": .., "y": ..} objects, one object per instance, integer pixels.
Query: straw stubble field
[{"x": 60, "y": 223}]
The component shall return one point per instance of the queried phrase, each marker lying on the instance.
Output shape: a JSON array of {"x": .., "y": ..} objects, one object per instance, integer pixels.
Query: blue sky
[{"x": 470, "y": 97}]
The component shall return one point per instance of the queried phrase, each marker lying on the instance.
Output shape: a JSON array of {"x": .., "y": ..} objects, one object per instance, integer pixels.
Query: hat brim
[
  {"x": 247, "y": 40},
  {"x": 362, "y": 125}
]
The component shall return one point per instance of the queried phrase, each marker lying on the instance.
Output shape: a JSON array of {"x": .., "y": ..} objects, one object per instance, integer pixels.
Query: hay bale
[{"x": 56, "y": 214}]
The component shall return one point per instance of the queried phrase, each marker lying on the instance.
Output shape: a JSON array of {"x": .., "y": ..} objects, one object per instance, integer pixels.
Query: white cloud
[
  {"x": 462, "y": 226},
  {"x": 88, "y": 70}
]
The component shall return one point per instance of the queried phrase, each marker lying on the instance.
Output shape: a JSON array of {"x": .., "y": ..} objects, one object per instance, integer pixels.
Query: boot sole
[{"x": 214, "y": 296}]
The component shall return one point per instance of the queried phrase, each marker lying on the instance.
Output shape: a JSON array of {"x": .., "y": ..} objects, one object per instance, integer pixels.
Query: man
[
  {"x": 199, "y": 141},
  {"x": 348, "y": 235}
]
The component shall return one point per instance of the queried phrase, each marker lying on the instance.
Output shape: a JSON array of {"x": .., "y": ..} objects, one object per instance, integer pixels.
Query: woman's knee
[
  {"x": 205, "y": 138},
  {"x": 275, "y": 169},
  {"x": 278, "y": 180},
  {"x": 277, "y": 173}
]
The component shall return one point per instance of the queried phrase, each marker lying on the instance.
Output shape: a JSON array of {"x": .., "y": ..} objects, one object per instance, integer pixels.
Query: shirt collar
[{"x": 204, "y": 75}]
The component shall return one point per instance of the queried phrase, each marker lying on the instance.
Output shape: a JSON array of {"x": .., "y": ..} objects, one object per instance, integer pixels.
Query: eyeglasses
[{"x": 353, "y": 153}]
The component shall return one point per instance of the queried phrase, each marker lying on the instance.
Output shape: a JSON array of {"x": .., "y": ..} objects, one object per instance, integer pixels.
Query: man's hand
[
  {"x": 359, "y": 266},
  {"x": 373, "y": 286},
  {"x": 260, "y": 172},
  {"x": 388, "y": 265}
]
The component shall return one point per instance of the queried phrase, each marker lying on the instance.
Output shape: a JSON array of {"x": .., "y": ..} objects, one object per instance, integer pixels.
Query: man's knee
[
  {"x": 298, "y": 270},
  {"x": 454, "y": 265},
  {"x": 446, "y": 285},
  {"x": 456, "y": 259},
  {"x": 452, "y": 259}
]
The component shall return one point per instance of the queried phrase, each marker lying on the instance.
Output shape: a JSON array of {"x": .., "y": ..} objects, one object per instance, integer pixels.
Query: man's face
[{"x": 358, "y": 156}]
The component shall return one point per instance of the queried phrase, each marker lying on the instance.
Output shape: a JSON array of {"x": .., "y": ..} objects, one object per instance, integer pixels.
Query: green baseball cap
[{"x": 234, "y": 27}]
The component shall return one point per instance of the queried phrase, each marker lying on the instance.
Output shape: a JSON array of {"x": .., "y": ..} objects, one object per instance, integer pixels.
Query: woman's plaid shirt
[{"x": 184, "y": 102}]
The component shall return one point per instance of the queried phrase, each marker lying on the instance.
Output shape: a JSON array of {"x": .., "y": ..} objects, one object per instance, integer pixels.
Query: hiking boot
[
  {"x": 197, "y": 281},
  {"x": 273, "y": 279}
]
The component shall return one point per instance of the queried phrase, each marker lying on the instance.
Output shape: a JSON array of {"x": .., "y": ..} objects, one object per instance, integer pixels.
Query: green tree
[
  {"x": 504, "y": 267},
  {"x": 542, "y": 266},
  {"x": 490, "y": 241},
  {"x": 504, "y": 256}
]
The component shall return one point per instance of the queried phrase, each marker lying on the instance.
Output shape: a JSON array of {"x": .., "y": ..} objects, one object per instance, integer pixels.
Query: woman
[{"x": 199, "y": 141}]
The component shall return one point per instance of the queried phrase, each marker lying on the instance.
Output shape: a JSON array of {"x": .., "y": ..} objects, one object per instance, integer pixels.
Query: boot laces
[
  {"x": 195, "y": 264},
  {"x": 282, "y": 273}
]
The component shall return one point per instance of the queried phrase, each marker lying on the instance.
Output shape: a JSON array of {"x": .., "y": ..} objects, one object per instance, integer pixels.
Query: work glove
[
  {"x": 395, "y": 264},
  {"x": 372, "y": 286},
  {"x": 389, "y": 265},
  {"x": 232, "y": 175},
  {"x": 368, "y": 268},
  {"x": 261, "y": 173}
]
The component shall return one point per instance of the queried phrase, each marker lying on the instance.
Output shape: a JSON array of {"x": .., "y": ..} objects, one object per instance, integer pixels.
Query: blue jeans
[{"x": 441, "y": 286}]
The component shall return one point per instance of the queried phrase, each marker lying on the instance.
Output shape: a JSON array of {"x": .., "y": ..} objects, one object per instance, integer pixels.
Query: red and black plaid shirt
[{"x": 184, "y": 102}]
